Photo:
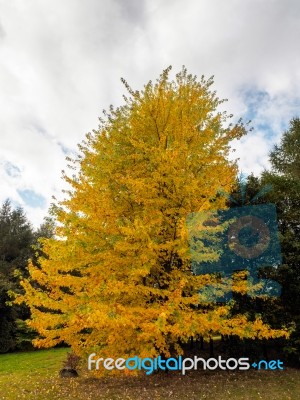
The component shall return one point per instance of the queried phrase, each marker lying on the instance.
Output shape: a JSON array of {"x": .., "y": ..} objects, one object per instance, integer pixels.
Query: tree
[
  {"x": 16, "y": 238},
  {"x": 248, "y": 297},
  {"x": 117, "y": 278},
  {"x": 284, "y": 176}
]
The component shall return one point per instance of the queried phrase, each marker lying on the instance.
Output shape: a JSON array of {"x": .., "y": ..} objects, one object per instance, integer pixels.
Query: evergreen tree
[
  {"x": 285, "y": 179},
  {"x": 16, "y": 238}
]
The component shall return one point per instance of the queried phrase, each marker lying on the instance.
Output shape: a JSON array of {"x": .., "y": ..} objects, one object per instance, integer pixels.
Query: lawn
[{"x": 34, "y": 375}]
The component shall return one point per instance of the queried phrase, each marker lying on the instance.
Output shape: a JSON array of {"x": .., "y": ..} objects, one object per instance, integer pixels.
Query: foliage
[
  {"x": 16, "y": 237},
  {"x": 117, "y": 277},
  {"x": 279, "y": 185},
  {"x": 285, "y": 179},
  {"x": 24, "y": 335}
]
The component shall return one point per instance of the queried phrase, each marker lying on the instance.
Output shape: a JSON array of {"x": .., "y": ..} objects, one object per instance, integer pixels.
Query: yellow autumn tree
[{"x": 116, "y": 280}]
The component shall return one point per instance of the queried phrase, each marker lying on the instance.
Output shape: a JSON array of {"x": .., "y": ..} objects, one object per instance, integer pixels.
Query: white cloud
[
  {"x": 252, "y": 151},
  {"x": 61, "y": 63}
]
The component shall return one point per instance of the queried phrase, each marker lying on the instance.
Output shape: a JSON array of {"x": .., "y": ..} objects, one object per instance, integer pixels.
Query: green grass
[
  {"x": 34, "y": 375},
  {"x": 32, "y": 361}
]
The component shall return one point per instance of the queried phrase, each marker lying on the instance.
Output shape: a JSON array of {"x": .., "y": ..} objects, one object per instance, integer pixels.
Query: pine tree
[
  {"x": 284, "y": 176},
  {"x": 16, "y": 238}
]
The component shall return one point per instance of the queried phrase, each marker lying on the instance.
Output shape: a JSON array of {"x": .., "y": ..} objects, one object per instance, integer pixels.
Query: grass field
[{"x": 34, "y": 375}]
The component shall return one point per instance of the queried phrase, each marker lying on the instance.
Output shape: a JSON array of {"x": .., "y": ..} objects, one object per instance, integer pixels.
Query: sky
[{"x": 61, "y": 64}]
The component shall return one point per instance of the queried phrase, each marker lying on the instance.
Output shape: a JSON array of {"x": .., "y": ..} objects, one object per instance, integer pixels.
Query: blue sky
[{"x": 61, "y": 63}]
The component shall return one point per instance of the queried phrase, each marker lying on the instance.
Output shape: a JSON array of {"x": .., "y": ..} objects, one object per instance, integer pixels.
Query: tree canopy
[{"x": 117, "y": 277}]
